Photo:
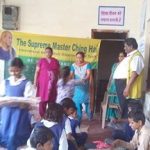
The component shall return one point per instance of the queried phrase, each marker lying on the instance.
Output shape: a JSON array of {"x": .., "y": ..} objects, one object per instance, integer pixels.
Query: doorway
[{"x": 112, "y": 42}]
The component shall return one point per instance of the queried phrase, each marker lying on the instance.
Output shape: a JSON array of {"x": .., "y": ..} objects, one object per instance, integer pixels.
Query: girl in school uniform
[
  {"x": 68, "y": 107},
  {"x": 41, "y": 139},
  {"x": 15, "y": 127},
  {"x": 17, "y": 85},
  {"x": 79, "y": 136},
  {"x": 53, "y": 121},
  {"x": 66, "y": 86}
]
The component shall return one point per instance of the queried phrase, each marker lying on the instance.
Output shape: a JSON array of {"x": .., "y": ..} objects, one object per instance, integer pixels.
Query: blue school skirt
[{"x": 15, "y": 127}]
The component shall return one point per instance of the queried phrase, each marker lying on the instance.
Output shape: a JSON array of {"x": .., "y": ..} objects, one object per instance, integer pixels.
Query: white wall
[{"x": 73, "y": 18}]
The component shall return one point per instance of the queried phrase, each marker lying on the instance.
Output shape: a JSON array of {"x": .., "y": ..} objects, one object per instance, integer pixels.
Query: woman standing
[
  {"x": 81, "y": 70},
  {"x": 45, "y": 79},
  {"x": 6, "y": 50},
  {"x": 113, "y": 102}
]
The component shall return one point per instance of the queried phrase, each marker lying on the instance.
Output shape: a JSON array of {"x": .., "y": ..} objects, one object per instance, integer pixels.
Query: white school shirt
[
  {"x": 28, "y": 87},
  {"x": 63, "y": 144},
  {"x": 136, "y": 64},
  {"x": 68, "y": 126},
  {"x": 77, "y": 129}
]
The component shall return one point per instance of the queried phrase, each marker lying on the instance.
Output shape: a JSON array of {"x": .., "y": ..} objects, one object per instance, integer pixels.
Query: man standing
[{"x": 129, "y": 76}]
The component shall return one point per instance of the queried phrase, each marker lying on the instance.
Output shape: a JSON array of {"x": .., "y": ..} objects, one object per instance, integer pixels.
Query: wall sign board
[{"x": 111, "y": 15}]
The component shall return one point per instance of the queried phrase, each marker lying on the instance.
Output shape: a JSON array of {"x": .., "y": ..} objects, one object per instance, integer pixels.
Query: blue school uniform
[
  {"x": 56, "y": 129},
  {"x": 64, "y": 120},
  {"x": 79, "y": 137},
  {"x": 15, "y": 127},
  {"x": 67, "y": 127},
  {"x": 74, "y": 125},
  {"x": 15, "y": 90}
]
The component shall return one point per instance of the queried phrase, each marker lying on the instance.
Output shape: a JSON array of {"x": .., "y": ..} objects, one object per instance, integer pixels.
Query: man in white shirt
[{"x": 129, "y": 76}]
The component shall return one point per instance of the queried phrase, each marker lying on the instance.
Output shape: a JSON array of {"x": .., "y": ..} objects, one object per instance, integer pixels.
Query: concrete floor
[{"x": 94, "y": 130}]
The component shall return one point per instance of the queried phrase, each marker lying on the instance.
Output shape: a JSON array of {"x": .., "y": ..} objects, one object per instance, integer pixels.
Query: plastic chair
[{"x": 104, "y": 105}]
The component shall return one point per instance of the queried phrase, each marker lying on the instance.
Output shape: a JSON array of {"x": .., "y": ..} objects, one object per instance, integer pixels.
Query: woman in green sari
[{"x": 113, "y": 110}]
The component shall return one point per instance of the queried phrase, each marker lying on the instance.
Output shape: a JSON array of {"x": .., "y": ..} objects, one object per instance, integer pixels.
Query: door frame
[
  {"x": 96, "y": 98},
  {"x": 147, "y": 57}
]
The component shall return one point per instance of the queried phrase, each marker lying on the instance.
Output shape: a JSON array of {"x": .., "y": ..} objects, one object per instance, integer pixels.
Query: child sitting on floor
[
  {"x": 141, "y": 138},
  {"x": 79, "y": 136},
  {"x": 68, "y": 107},
  {"x": 41, "y": 139},
  {"x": 126, "y": 132},
  {"x": 53, "y": 121}
]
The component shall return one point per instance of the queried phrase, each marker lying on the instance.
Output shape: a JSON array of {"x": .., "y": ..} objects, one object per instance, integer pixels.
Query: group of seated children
[
  {"x": 63, "y": 130},
  {"x": 15, "y": 119},
  {"x": 72, "y": 125}
]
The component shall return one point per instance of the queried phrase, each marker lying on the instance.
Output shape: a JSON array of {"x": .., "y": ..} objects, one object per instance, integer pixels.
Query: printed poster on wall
[
  {"x": 111, "y": 15},
  {"x": 30, "y": 47}
]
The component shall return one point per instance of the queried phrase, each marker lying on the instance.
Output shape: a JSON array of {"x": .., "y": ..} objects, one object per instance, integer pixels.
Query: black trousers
[{"x": 120, "y": 86}]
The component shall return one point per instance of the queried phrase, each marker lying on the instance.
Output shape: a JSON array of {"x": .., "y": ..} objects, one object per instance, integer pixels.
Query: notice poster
[{"x": 111, "y": 15}]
